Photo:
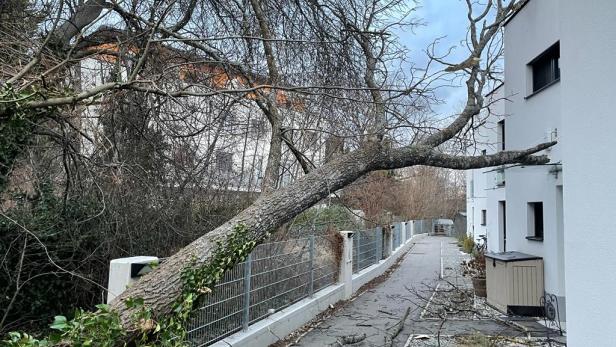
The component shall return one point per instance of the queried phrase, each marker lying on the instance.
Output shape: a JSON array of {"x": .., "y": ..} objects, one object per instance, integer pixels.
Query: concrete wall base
[{"x": 280, "y": 324}]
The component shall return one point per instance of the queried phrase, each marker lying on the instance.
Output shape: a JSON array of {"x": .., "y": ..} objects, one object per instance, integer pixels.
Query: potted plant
[{"x": 475, "y": 268}]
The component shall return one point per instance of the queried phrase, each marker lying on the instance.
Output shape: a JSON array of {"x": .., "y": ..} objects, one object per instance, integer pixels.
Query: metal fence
[
  {"x": 365, "y": 248},
  {"x": 274, "y": 276},
  {"x": 409, "y": 229},
  {"x": 278, "y": 274},
  {"x": 422, "y": 226},
  {"x": 397, "y": 235}
]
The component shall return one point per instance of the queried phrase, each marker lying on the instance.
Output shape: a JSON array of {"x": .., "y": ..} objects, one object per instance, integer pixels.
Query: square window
[{"x": 257, "y": 127}]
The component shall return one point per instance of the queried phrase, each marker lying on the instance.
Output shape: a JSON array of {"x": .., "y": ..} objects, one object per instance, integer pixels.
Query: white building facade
[
  {"x": 557, "y": 87},
  {"x": 484, "y": 186},
  {"x": 234, "y": 133}
]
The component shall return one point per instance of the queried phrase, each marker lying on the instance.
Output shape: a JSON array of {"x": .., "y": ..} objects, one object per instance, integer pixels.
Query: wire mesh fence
[
  {"x": 397, "y": 235},
  {"x": 280, "y": 273},
  {"x": 409, "y": 229},
  {"x": 274, "y": 276},
  {"x": 422, "y": 226},
  {"x": 365, "y": 244}
]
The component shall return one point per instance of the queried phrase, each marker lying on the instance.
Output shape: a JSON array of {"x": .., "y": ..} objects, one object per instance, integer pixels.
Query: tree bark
[
  {"x": 162, "y": 287},
  {"x": 84, "y": 15},
  {"x": 272, "y": 171}
]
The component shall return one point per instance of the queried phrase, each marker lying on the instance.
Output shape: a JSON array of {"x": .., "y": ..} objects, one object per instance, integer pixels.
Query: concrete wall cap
[{"x": 135, "y": 260}]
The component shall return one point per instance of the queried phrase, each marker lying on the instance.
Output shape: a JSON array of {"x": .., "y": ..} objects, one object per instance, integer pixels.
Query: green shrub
[
  {"x": 62, "y": 235},
  {"x": 468, "y": 244}
]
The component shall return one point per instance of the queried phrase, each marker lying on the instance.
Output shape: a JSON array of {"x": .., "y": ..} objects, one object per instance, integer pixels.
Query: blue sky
[{"x": 442, "y": 18}]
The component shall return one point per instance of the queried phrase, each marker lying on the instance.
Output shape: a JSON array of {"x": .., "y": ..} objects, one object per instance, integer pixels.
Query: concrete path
[
  {"x": 383, "y": 306},
  {"x": 432, "y": 261}
]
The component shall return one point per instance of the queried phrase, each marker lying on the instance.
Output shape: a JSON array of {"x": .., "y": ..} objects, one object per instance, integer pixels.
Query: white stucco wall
[
  {"x": 482, "y": 181},
  {"x": 579, "y": 238},
  {"x": 495, "y": 240},
  {"x": 476, "y": 201},
  {"x": 530, "y": 120},
  {"x": 588, "y": 49}
]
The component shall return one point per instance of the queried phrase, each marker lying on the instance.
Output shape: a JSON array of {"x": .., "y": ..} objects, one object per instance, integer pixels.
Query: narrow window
[
  {"x": 545, "y": 68},
  {"x": 535, "y": 221},
  {"x": 500, "y": 133},
  {"x": 500, "y": 177},
  {"x": 502, "y": 224},
  {"x": 484, "y": 217}
]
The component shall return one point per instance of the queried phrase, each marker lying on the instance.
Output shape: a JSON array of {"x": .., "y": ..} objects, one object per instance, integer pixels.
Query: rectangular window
[
  {"x": 257, "y": 127},
  {"x": 499, "y": 177},
  {"x": 545, "y": 68},
  {"x": 535, "y": 221},
  {"x": 224, "y": 161},
  {"x": 502, "y": 224},
  {"x": 484, "y": 217},
  {"x": 500, "y": 133},
  {"x": 230, "y": 117}
]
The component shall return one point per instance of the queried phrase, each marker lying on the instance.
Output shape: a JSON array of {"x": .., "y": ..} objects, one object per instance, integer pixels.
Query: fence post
[
  {"x": 396, "y": 227},
  {"x": 402, "y": 233},
  {"x": 357, "y": 249},
  {"x": 391, "y": 247},
  {"x": 311, "y": 285},
  {"x": 379, "y": 244},
  {"x": 247, "y": 276},
  {"x": 346, "y": 264}
]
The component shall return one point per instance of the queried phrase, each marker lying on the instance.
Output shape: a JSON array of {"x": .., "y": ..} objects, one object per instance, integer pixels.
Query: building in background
[
  {"x": 485, "y": 186},
  {"x": 230, "y": 136}
]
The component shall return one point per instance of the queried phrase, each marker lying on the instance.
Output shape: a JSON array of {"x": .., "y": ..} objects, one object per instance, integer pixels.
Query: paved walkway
[
  {"x": 432, "y": 262},
  {"x": 379, "y": 308}
]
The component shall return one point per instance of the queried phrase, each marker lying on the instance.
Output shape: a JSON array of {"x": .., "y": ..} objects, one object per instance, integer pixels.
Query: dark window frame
[
  {"x": 484, "y": 217},
  {"x": 537, "y": 225},
  {"x": 501, "y": 133},
  {"x": 224, "y": 161},
  {"x": 545, "y": 69},
  {"x": 256, "y": 126}
]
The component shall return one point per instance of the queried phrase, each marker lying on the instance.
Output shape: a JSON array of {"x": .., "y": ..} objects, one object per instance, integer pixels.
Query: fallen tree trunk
[{"x": 161, "y": 288}]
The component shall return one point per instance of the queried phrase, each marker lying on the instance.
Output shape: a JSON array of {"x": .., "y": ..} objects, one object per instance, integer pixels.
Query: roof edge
[{"x": 516, "y": 13}]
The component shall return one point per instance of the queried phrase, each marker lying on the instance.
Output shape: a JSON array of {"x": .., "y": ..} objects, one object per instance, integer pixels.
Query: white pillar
[
  {"x": 125, "y": 271},
  {"x": 402, "y": 233},
  {"x": 346, "y": 264}
]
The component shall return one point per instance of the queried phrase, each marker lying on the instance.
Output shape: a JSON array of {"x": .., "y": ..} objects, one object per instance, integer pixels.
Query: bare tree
[{"x": 328, "y": 61}]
